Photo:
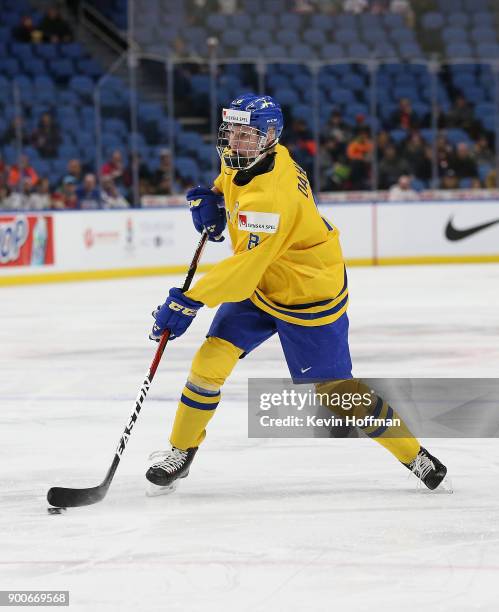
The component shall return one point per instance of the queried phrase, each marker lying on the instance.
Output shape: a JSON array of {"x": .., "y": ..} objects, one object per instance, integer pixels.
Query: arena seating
[{"x": 61, "y": 78}]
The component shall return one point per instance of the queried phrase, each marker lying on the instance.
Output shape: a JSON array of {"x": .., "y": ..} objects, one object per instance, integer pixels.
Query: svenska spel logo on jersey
[{"x": 266, "y": 223}]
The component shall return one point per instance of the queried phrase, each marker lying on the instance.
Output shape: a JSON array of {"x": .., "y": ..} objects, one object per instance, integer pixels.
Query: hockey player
[{"x": 286, "y": 277}]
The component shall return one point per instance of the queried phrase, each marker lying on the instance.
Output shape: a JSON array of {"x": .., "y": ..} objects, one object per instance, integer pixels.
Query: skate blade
[
  {"x": 445, "y": 487},
  {"x": 153, "y": 490}
]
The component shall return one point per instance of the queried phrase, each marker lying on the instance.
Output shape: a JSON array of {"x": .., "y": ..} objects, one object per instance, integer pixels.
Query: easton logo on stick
[{"x": 133, "y": 418}]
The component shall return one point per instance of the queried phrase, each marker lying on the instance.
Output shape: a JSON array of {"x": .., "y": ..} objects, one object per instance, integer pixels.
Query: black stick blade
[{"x": 61, "y": 497}]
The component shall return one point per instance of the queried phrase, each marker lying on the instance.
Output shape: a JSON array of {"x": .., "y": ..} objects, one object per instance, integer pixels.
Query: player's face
[{"x": 243, "y": 140}]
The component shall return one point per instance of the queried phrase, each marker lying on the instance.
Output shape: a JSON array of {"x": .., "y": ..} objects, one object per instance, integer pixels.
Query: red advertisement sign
[{"x": 26, "y": 240}]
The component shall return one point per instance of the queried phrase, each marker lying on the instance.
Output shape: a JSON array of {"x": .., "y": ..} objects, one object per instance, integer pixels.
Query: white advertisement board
[
  {"x": 438, "y": 229},
  {"x": 355, "y": 223},
  {"x": 107, "y": 240},
  {"x": 93, "y": 244}
]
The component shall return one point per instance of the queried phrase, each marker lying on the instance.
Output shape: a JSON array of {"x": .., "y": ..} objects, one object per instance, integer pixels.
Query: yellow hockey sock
[
  {"x": 195, "y": 409},
  {"x": 211, "y": 365},
  {"x": 396, "y": 438}
]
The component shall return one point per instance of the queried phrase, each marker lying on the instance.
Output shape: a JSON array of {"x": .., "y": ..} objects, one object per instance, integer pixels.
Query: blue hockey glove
[
  {"x": 176, "y": 314},
  {"x": 208, "y": 212}
]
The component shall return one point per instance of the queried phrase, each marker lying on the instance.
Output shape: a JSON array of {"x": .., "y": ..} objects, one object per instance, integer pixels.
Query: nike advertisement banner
[
  {"x": 391, "y": 407},
  {"x": 426, "y": 229}
]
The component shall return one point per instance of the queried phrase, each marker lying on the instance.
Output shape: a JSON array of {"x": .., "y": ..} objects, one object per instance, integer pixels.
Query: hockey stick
[{"x": 62, "y": 497}]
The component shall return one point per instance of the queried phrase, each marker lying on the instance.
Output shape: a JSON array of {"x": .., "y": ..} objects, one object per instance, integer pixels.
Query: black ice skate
[
  {"x": 174, "y": 465},
  {"x": 430, "y": 471}
]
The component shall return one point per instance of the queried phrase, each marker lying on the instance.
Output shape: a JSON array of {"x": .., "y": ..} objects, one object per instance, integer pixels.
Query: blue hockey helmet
[{"x": 250, "y": 127}]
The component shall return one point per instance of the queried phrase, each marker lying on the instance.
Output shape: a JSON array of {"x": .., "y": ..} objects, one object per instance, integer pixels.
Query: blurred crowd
[
  {"x": 202, "y": 8},
  {"x": 21, "y": 188},
  {"x": 52, "y": 28},
  {"x": 406, "y": 159},
  {"x": 345, "y": 158},
  {"x": 45, "y": 138},
  {"x": 357, "y": 7},
  {"x": 346, "y": 152}
]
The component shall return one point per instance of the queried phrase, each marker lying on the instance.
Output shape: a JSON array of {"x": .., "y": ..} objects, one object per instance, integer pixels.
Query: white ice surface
[{"x": 259, "y": 524}]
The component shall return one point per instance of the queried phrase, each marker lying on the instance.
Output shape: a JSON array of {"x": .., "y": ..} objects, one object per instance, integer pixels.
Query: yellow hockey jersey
[{"x": 287, "y": 258}]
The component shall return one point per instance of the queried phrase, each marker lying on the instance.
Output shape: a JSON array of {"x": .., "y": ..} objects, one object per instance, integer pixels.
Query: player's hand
[
  {"x": 208, "y": 212},
  {"x": 176, "y": 314}
]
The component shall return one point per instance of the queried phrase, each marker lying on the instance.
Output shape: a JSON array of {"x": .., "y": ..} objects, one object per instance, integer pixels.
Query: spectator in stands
[
  {"x": 227, "y": 7},
  {"x": 444, "y": 153},
  {"x": 303, "y": 7},
  {"x": 334, "y": 169},
  {"x": 16, "y": 132},
  {"x": 111, "y": 197},
  {"x": 359, "y": 154},
  {"x": 355, "y": 6},
  {"x": 41, "y": 198},
  {"x": 164, "y": 187},
  {"x": 161, "y": 178},
  {"x": 4, "y": 197},
  {"x": 88, "y": 194},
  {"x": 46, "y": 137},
  {"x": 463, "y": 164},
  {"x": 302, "y": 146},
  {"x": 331, "y": 150},
  {"x": 378, "y": 7},
  {"x": 25, "y": 32},
  {"x": 4, "y": 172},
  {"x": 19, "y": 172},
  {"x": 361, "y": 122},
  {"x": 115, "y": 168},
  {"x": 449, "y": 180},
  {"x": 391, "y": 168},
  {"x": 461, "y": 115},
  {"x": 423, "y": 167},
  {"x": 20, "y": 199},
  {"x": 180, "y": 49},
  {"x": 404, "y": 118},
  {"x": 483, "y": 153},
  {"x": 199, "y": 11},
  {"x": 75, "y": 170},
  {"x": 402, "y": 190},
  {"x": 339, "y": 130},
  {"x": 443, "y": 146},
  {"x": 403, "y": 7},
  {"x": 491, "y": 180},
  {"x": 414, "y": 151},
  {"x": 384, "y": 141},
  {"x": 65, "y": 198},
  {"x": 54, "y": 28},
  {"x": 144, "y": 178}
]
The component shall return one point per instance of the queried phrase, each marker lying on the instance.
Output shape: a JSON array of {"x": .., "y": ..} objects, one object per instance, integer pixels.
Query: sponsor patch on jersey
[
  {"x": 232, "y": 115},
  {"x": 258, "y": 222}
]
